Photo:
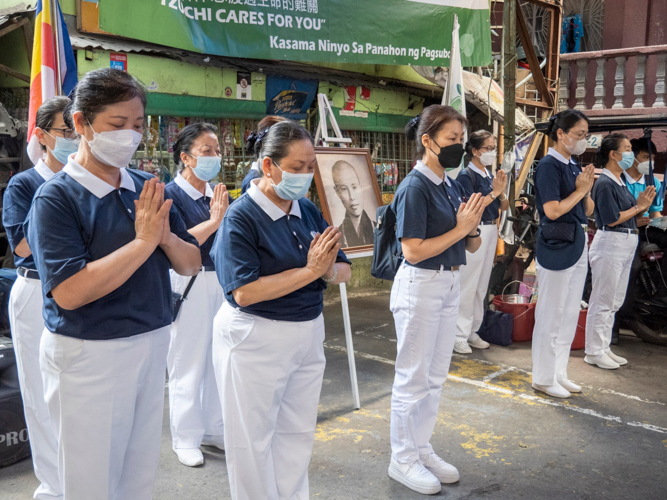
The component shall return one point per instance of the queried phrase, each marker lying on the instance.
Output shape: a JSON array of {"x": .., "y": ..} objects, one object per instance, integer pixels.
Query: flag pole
[{"x": 55, "y": 28}]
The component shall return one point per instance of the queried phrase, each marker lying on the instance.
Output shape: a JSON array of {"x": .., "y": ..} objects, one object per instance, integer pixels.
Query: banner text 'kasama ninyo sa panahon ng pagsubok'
[{"x": 401, "y": 32}]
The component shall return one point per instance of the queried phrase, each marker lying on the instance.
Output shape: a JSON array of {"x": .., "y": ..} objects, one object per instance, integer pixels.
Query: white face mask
[
  {"x": 643, "y": 167},
  {"x": 488, "y": 157},
  {"x": 577, "y": 148},
  {"x": 115, "y": 147}
]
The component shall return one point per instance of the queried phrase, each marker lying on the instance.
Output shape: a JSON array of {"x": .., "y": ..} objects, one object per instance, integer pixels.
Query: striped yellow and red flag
[{"x": 53, "y": 69}]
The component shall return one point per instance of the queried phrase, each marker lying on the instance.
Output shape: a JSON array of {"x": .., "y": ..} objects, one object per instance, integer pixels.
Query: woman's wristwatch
[{"x": 329, "y": 280}]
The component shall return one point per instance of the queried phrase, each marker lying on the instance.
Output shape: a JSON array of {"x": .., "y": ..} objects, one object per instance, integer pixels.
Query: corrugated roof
[{"x": 82, "y": 42}]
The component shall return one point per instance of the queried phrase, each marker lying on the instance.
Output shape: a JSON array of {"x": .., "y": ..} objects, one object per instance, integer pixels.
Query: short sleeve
[
  {"x": 548, "y": 182},
  {"x": 59, "y": 254},
  {"x": 607, "y": 205},
  {"x": 235, "y": 255},
  {"x": 411, "y": 207},
  {"x": 465, "y": 181},
  {"x": 658, "y": 202},
  {"x": 322, "y": 224},
  {"x": 15, "y": 207},
  {"x": 178, "y": 227}
]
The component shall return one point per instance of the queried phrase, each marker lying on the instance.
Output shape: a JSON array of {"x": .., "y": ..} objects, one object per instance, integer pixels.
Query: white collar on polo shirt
[
  {"x": 190, "y": 190},
  {"x": 484, "y": 173},
  {"x": 630, "y": 180},
  {"x": 612, "y": 176},
  {"x": 254, "y": 166},
  {"x": 271, "y": 209},
  {"x": 559, "y": 157},
  {"x": 93, "y": 183},
  {"x": 430, "y": 174},
  {"x": 44, "y": 171}
]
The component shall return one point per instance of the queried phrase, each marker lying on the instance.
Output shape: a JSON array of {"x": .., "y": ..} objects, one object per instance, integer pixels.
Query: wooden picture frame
[{"x": 340, "y": 205}]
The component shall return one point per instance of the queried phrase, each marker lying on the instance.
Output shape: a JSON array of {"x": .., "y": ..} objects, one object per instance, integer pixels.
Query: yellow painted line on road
[{"x": 514, "y": 394}]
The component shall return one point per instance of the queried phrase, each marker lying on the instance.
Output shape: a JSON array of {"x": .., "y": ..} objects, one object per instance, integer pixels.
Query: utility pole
[{"x": 509, "y": 83}]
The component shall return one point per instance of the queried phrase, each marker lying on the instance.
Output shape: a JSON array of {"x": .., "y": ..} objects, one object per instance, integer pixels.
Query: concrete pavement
[{"x": 508, "y": 441}]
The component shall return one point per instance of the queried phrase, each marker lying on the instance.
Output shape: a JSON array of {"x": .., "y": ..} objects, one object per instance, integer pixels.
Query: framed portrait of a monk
[{"x": 349, "y": 194}]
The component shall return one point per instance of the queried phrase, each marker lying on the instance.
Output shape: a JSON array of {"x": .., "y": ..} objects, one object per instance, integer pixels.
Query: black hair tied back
[
  {"x": 257, "y": 146},
  {"x": 413, "y": 125},
  {"x": 250, "y": 143}
]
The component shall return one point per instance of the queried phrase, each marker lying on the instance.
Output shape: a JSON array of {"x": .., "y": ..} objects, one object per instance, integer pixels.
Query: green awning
[
  {"x": 375, "y": 122},
  {"x": 203, "y": 107}
]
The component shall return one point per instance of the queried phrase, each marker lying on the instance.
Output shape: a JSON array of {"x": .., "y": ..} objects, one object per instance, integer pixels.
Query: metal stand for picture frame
[{"x": 324, "y": 108}]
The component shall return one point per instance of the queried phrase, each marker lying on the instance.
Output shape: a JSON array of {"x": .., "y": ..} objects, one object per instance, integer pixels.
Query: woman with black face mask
[{"x": 435, "y": 227}]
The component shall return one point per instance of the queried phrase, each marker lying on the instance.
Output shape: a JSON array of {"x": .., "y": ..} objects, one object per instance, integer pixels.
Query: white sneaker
[
  {"x": 462, "y": 347},
  {"x": 476, "y": 342},
  {"x": 618, "y": 359},
  {"x": 446, "y": 473},
  {"x": 192, "y": 457},
  {"x": 557, "y": 391},
  {"x": 570, "y": 386},
  {"x": 415, "y": 476},
  {"x": 214, "y": 441},
  {"x": 602, "y": 361}
]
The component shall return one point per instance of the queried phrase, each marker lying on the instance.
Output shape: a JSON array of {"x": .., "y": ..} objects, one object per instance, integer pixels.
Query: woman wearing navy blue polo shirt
[
  {"x": 104, "y": 239},
  {"x": 25, "y": 300},
  {"x": 475, "y": 275},
  {"x": 435, "y": 227},
  {"x": 274, "y": 255},
  {"x": 613, "y": 247},
  {"x": 194, "y": 404},
  {"x": 562, "y": 194}
]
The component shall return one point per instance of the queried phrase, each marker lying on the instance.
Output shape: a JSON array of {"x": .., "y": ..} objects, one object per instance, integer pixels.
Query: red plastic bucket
[
  {"x": 579, "y": 341},
  {"x": 524, "y": 318}
]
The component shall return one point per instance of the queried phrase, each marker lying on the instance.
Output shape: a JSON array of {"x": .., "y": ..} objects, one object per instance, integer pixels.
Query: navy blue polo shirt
[
  {"x": 77, "y": 218},
  {"x": 255, "y": 239},
  {"x": 611, "y": 197},
  {"x": 253, "y": 174},
  {"x": 426, "y": 207},
  {"x": 472, "y": 181},
  {"x": 16, "y": 204},
  {"x": 555, "y": 179},
  {"x": 193, "y": 207}
]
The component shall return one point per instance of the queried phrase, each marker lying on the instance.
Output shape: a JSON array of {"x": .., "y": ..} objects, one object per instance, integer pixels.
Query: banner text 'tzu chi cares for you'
[{"x": 416, "y": 32}]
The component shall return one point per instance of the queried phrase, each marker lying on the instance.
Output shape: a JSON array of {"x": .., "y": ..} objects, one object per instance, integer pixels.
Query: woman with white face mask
[
  {"x": 104, "y": 238},
  {"x": 274, "y": 254},
  {"x": 255, "y": 170},
  {"x": 613, "y": 247},
  {"x": 475, "y": 275},
  {"x": 636, "y": 181},
  {"x": 562, "y": 195},
  {"x": 56, "y": 141},
  {"x": 194, "y": 405}
]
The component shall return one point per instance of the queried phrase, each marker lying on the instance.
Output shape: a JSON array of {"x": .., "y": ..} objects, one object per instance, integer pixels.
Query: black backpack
[{"x": 387, "y": 253}]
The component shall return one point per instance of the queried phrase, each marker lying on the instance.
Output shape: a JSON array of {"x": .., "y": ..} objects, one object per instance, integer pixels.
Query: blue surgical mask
[
  {"x": 207, "y": 167},
  {"x": 64, "y": 148},
  {"x": 627, "y": 161},
  {"x": 292, "y": 186}
]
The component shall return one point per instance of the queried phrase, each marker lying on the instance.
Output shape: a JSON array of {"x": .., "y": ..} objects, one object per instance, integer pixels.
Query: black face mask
[{"x": 450, "y": 157}]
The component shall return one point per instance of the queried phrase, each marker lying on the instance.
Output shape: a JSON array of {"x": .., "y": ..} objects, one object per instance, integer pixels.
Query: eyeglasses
[
  {"x": 581, "y": 136},
  {"x": 487, "y": 149},
  {"x": 67, "y": 133}
]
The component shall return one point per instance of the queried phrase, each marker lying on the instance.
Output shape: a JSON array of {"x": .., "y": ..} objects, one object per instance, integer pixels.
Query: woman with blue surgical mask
[
  {"x": 613, "y": 248},
  {"x": 56, "y": 141},
  {"x": 194, "y": 405},
  {"x": 104, "y": 239},
  {"x": 274, "y": 254}
]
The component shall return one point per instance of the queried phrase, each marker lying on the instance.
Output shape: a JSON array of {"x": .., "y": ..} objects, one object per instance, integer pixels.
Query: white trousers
[
  {"x": 611, "y": 259},
  {"x": 556, "y": 317},
  {"x": 194, "y": 404},
  {"x": 27, "y": 324},
  {"x": 475, "y": 277},
  {"x": 425, "y": 305},
  {"x": 270, "y": 376},
  {"x": 106, "y": 399}
]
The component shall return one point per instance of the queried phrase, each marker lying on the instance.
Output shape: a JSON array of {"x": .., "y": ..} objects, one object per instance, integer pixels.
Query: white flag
[{"x": 455, "y": 95}]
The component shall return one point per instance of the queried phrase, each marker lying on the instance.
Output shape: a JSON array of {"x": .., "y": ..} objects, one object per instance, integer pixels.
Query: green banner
[{"x": 401, "y": 32}]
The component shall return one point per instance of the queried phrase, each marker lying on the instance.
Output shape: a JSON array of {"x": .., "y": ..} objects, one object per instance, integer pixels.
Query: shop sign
[
  {"x": 399, "y": 32},
  {"x": 118, "y": 61}
]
